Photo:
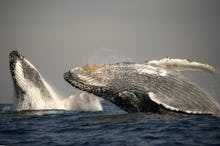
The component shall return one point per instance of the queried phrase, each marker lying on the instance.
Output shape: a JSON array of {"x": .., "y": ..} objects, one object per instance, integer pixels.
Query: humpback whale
[
  {"x": 156, "y": 86},
  {"x": 34, "y": 93}
]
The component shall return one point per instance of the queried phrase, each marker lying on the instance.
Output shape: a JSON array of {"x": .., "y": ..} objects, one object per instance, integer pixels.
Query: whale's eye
[{"x": 92, "y": 68}]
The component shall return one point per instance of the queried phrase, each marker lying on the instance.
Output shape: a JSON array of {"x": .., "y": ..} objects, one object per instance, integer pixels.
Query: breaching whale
[
  {"x": 155, "y": 86},
  {"x": 34, "y": 93}
]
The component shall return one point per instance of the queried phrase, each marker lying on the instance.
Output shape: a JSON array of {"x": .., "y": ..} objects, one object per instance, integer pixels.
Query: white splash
[
  {"x": 182, "y": 64},
  {"x": 82, "y": 102}
]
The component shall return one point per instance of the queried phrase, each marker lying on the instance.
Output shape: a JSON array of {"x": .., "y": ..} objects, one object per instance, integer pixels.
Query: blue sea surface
[{"x": 108, "y": 127}]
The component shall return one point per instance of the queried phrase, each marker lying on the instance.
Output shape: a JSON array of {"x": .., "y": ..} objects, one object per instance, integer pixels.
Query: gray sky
[{"x": 59, "y": 35}]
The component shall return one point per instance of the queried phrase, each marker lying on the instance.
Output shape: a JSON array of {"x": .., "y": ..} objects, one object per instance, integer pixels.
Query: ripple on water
[{"x": 106, "y": 128}]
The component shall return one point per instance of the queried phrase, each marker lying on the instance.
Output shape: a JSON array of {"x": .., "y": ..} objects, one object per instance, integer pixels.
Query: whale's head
[
  {"x": 106, "y": 81},
  {"x": 28, "y": 82},
  {"x": 94, "y": 79},
  {"x": 23, "y": 72}
]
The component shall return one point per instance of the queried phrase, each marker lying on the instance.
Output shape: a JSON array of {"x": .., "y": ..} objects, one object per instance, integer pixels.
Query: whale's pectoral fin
[
  {"x": 187, "y": 103},
  {"x": 182, "y": 65},
  {"x": 171, "y": 106}
]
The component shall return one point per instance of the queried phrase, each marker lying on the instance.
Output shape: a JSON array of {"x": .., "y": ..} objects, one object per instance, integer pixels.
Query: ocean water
[{"x": 108, "y": 127}]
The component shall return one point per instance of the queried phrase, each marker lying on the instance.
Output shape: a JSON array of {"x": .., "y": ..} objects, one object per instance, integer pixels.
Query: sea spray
[
  {"x": 104, "y": 55},
  {"x": 82, "y": 102}
]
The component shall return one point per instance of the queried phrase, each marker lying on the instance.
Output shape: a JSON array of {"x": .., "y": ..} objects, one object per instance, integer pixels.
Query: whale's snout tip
[
  {"x": 69, "y": 76},
  {"x": 13, "y": 55},
  {"x": 66, "y": 75}
]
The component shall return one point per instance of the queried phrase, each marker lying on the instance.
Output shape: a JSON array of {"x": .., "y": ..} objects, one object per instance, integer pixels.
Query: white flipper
[
  {"x": 182, "y": 65},
  {"x": 178, "y": 93},
  {"x": 158, "y": 100},
  {"x": 186, "y": 102}
]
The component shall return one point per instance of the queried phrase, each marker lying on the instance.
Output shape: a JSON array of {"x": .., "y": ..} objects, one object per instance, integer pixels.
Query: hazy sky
[{"x": 59, "y": 35}]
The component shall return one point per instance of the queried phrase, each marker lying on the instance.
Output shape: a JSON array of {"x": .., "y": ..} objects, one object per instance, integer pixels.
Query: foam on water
[{"x": 82, "y": 102}]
